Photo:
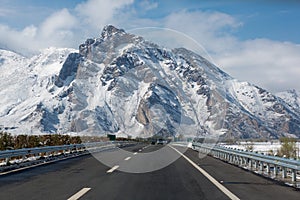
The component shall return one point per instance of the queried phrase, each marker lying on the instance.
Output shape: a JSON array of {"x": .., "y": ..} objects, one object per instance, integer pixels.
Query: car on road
[{"x": 160, "y": 141}]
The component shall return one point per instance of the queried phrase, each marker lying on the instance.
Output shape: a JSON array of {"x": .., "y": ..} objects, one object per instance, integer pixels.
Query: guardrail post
[
  {"x": 261, "y": 166},
  {"x": 275, "y": 170},
  {"x": 250, "y": 164},
  {"x": 283, "y": 172},
  {"x": 294, "y": 174},
  {"x": 268, "y": 168},
  {"x": 244, "y": 162},
  {"x": 255, "y": 164}
]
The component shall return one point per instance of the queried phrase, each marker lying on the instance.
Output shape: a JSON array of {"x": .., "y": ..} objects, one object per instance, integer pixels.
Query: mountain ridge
[{"x": 120, "y": 83}]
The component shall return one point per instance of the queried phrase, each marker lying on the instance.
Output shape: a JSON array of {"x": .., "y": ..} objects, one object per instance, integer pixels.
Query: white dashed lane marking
[
  {"x": 113, "y": 169},
  {"x": 79, "y": 194},
  {"x": 128, "y": 158}
]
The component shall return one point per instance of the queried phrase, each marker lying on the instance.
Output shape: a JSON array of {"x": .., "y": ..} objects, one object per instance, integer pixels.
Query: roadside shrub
[
  {"x": 7, "y": 141},
  {"x": 288, "y": 147}
]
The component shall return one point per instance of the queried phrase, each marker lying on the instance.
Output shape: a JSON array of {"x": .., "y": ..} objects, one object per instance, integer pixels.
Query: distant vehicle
[{"x": 160, "y": 141}]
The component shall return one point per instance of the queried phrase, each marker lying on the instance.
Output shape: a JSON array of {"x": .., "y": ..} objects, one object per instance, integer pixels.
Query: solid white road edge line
[
  {"x": 113, "y": 169},
  {"x": 128, "y": 158},
  {"x": 79, "y": 194},
  {"x": 208, "y": 176}
]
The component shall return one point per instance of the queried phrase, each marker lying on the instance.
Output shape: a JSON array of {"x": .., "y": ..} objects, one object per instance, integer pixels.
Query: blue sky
[
  {"x": 264, "y": 19},
  {"x": 256, "y": 41}
]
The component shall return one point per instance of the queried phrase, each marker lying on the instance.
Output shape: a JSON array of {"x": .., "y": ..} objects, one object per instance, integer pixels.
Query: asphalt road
[{"x": 85, "y": 176}]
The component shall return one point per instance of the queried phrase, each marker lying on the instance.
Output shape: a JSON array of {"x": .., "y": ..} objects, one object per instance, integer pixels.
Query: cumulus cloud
[
  {"x": 98, "y": 13},
  {"x": 270, "y": 64},
  {"x": 273, "y": 65},
  {"x": 19, "y": 41},
  {"x": 56, "y": 30},
  {"x": 59, "y": 22},
  {"x": 210, "y": 29}
]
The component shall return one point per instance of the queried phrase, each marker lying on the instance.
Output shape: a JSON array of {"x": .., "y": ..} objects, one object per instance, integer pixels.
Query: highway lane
[
  {"x": 179, "y": 180},
  {"x": 244, "y": 184},
  {"x": 57, "y": 180}
]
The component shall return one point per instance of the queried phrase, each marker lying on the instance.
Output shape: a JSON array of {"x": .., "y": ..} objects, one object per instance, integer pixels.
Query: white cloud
[
  {"x": 267, "y": 63},
  {"x": 147, "y": 5},
  {"x": 56, "y": 30},
  {"x": 20, "y": 41},
  {"x": 210, "y": 29},
  {"x": 56, "y": 23},
  {"x": 270, "y": 64},
  {"x": 29, "y": 31},
  {"x": 98, "y": 13}
]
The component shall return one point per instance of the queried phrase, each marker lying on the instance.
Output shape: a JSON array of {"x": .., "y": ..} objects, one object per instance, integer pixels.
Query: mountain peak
[
  {"x": 110, "y": 30},
  {"x": 121, "y": 83}
]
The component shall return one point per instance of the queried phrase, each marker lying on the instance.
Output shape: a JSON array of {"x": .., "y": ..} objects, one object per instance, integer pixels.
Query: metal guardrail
[
  {"x": 8, "y": 155},
  {"x": 253, "y": 161}
]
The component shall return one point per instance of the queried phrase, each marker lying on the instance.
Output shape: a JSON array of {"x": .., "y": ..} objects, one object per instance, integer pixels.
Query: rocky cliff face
[{"x": 122, "y": 84}]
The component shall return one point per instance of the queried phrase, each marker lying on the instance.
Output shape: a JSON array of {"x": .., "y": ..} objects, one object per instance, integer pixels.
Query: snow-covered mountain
[
  {"x": 122, "y": 84},
  {"x": 292, "y": 98},
  {"x": 25, "y": 83}
]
